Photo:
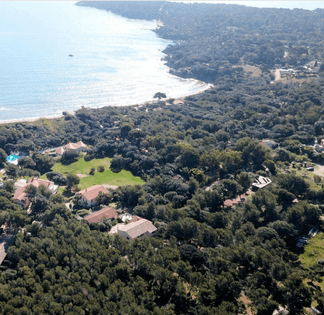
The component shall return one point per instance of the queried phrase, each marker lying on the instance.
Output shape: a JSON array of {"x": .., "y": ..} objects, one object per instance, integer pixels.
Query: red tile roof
[
  {"x": 20, "y": 194},
  {"x": 75, "y": 146},
  {"x": 135, "y": 218},
  {"x": 37, "y": 182},
  {"x": 92, "y": 192},
  {"x": 60, "y": 150},
  {"x": 100, "y": 215}
]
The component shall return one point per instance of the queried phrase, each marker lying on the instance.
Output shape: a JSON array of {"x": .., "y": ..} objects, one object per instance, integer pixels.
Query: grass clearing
[
  {"x": 251, "y": 71},
  {"x": 81, "y": 166},
  {"x": 313, "y": 251},
  {"x": 122, "y": 178},
  {"x": 82, "y": 169}
]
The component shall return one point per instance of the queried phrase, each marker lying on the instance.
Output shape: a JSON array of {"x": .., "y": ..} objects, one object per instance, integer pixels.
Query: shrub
[{"x": 101, "y": 168}]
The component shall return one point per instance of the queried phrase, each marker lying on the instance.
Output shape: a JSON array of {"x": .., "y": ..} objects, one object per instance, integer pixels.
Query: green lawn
[
  {"x": 81, "y": 166},
  {"x": 313, "y": 251},
  {"x": 107, "y": 177}
]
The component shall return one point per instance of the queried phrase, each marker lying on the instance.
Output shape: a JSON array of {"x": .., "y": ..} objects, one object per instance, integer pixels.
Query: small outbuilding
[{"x": 261, "y": 182}]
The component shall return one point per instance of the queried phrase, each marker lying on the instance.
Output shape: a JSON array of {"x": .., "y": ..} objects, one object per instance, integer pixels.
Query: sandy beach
[{"x": 13, "y": 121}]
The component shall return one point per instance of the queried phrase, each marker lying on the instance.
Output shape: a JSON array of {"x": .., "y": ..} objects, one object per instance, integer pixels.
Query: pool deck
[{"x": 13, "y": 159}]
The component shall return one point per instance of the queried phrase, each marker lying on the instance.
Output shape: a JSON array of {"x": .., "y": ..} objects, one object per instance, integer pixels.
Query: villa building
[
  {"x": 101, "y": 215},
  {"x": 20, "y": 197},
  {"x": 137, "y": 229},
  {"x": 88, "y": 196}
]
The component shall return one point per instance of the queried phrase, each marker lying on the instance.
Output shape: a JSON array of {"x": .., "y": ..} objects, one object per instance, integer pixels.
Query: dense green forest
[{"x": 207, "y": 257}]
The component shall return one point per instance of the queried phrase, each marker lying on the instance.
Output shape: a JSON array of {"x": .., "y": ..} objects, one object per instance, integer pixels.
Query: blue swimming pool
[{"x": 12, "y": 157}]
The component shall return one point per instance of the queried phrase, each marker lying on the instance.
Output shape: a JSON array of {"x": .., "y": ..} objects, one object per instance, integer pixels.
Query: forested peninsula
[
  {"x": 212, "y": 39},
  {"x": 230, "y": 179}
]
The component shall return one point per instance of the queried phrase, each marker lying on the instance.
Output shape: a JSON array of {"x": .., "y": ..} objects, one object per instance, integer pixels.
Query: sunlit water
[{"x": 115, "y": 61}]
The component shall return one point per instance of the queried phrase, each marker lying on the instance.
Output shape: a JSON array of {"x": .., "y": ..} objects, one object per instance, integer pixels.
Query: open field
[
  {"x": 251, "y": 71},
  {"x": 313, "y": 251},
  {"x": 108, "y": 177},
  {"x": 82, "y": 169},
  {"x": 81, "y": 166}
]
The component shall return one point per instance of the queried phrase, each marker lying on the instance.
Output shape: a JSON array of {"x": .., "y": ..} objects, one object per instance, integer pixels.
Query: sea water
[{"x": 114, "y": 60}]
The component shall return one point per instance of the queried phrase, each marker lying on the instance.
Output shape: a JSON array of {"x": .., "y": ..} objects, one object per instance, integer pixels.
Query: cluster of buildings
[{"x": 137, "y": 227}]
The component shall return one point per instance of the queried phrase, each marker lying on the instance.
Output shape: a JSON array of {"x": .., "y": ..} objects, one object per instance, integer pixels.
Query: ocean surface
[{"x": 115, "y": 61}]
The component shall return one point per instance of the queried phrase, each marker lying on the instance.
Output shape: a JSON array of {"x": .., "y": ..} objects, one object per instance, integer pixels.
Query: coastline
[
  {"x": 203, "y": 86},
  {"x": 150, "y": 102},
  {"x": 14, "y": 121}
]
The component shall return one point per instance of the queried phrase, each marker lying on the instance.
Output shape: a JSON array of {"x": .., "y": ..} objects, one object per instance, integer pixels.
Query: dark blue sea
[{"x": 116, "y": 61}]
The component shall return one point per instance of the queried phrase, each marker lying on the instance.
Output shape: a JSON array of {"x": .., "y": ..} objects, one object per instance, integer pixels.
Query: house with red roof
[
  {"x": 101, "y": 215},
  {"x": 49, "y": 185},
  {"x": 137, "y": 229},
  {"x": 88, "y": 196},
  {"x": 20, "y": 197},
  {"x": 79, "y": 146}
]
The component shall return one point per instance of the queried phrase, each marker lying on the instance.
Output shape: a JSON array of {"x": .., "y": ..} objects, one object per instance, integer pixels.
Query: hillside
[{"x": 232, "y": 179}]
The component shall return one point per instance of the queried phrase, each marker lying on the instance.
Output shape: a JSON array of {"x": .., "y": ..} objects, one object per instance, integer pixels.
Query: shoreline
[
  {"x": 202, "y": 86},
  {"x": 22, "y": 120},
  {"x": 151, "y": 102}
]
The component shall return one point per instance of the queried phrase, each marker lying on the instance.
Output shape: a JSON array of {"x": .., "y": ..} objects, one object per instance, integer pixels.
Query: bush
[
  {"x": 101, "y": 168},
  {"x": 69, "y": 156},
  {"x": 57, "y": 178}
]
